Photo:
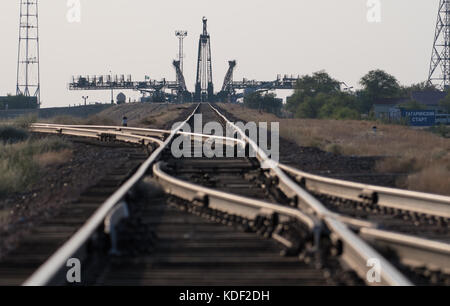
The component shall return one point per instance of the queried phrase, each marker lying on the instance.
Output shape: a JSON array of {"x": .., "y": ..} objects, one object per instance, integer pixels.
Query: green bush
[
  {"x": 268, "y": 102},
  {"x": 319, "y": 90},
  {"x": 309, "y": 108},
  {"x": 325, "y": 106},
  {"x": 11, "y": 134},
  {"x": 310, "y": 86}
]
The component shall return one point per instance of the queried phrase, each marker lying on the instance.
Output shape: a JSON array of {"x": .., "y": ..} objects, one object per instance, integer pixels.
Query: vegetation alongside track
[
  {"x": 149, "y": 115},
  {"x": 319, "y": 96},
  {"x": 23, "y": 158},
  {"x": 421, "y": 154}
]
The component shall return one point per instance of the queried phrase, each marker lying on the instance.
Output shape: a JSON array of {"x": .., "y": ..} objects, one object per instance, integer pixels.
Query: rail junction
[{"x": 228, "y": 221}]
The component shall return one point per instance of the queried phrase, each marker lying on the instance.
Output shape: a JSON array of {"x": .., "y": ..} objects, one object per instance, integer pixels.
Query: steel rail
[
  {"x": 95, "y": 133},
  {"x": 355, "y": 255},
  {"x": 356, "y": 252},
  {"x": 135, "y": 131},
  {"x": 412, "y": 251},
  {"x": 146, "y": 132},
  {"x": 422, "y": 203},
  {"x": 227, "y": 202},
  {"x": 417, "y": 254},
  {"x": 52, "y": 266}
]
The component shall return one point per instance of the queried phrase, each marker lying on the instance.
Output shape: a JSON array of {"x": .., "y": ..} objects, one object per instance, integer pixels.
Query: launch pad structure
[{"x": 204, "y": 86}]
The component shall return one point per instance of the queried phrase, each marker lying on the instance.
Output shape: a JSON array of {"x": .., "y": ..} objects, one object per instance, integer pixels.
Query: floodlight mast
[{"x": 439, "y": 75}]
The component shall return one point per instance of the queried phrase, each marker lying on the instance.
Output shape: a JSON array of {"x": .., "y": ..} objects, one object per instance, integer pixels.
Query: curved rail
[
  {"x": 356, "y": 252},
  {"x": 160, "y": 134},
  {"x": 226, "y": 202},
  {"x": 58, "y": 260},
  {"x": 95, "y": 133},
  {"x": 423, "y": 203},
  {"x": 412, "y": 250}
]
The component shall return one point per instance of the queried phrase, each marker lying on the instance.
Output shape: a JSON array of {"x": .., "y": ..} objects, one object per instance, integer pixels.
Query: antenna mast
[{"x": 28, "y": 78}]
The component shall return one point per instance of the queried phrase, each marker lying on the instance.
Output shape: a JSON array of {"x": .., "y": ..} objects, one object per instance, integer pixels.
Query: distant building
[
  {"x": 385, "y": 107},
  {"x": 430, "y": 99},
  {"x": 18, "y": 102}
]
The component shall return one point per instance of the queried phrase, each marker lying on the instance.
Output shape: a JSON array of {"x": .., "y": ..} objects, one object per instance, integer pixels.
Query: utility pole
[
  {"x": 28, "y": 77},
  {"x": 439, "y": 74},
  {"x": 112, "y": 88},
  {"x": 85, "y": 98}
]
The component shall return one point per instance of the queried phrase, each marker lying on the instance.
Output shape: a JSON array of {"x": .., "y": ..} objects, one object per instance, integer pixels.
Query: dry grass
[
  {"x": 92, "y": 120},
  {"x": 150, "y": 115},
  {"x": 21, "y": 163},
  {"x": 164, "y": 117},
  {"x": 436, "y": 178},
  {"x": 22, "y": 122},
  {"x": 53, "y": 158},
  {"x": 424, "y": 155}
]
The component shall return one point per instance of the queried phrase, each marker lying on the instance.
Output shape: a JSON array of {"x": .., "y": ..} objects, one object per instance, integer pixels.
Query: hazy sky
[{"x": 266, "y": 38}]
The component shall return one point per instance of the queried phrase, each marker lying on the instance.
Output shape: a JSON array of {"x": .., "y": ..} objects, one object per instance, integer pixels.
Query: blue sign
[{"x": 420, "y": 117}]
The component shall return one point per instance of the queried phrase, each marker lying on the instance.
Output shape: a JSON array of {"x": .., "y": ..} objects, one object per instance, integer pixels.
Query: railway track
[
  {"x": 220, "y": 217},
  {"x": 409, "y": 228},
  {"x": 46, "y": 238}
]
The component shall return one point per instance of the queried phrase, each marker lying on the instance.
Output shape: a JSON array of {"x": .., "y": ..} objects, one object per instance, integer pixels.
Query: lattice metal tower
[
  {"x": 28, "y": 78},
  {"x": 204, "y": 88},
  {"x": 439, "y": 75},
  {"x": 181, "y": 36}
]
